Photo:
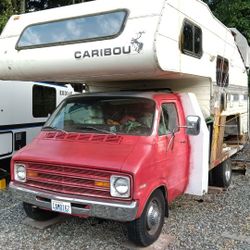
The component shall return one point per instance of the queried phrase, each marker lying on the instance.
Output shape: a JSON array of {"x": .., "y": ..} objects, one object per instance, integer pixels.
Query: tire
[
  {"x": 222, "y": 174},
  {"x": 38, "y": 214},
  {"x": 146, "y": 229}
]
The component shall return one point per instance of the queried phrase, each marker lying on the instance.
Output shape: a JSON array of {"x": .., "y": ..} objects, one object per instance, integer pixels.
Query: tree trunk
[{"x": 22, "y": 6}]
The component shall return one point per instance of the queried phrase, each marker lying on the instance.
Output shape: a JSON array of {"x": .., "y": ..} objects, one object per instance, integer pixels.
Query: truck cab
[{"x": 121, "y": 156}]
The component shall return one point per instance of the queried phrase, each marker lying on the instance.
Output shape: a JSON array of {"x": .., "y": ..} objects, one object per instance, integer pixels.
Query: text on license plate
[{"x": 61, "y": 206}]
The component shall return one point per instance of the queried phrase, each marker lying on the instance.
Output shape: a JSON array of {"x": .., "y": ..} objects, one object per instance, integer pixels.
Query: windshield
[{"x": 119, "y": 115}]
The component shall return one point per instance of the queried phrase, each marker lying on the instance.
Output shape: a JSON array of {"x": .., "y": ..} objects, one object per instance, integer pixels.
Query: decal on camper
[
  {"x": 137, "y": 45},
  {"x": 102, "y": 52}
]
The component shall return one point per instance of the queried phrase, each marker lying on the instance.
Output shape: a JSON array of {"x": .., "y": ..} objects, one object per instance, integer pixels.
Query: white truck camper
[
  {"x": 117, "y": 45},
  {"x": 24, "y": 107}
]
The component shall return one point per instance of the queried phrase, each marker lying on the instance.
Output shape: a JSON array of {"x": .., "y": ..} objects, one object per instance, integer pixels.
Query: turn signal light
[
  {"x": 32, "y": 173},
  {"x": 2, "y": 184},
  {"x": 102, "y": 184}
]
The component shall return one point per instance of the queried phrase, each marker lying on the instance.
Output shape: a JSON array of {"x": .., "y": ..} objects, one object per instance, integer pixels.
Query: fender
[{"x": 143, "y": 197}]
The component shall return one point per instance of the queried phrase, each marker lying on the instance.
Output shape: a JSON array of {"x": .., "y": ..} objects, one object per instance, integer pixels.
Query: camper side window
[
  {"x": 222, "y": 72},
  {"x": 73, "y": 30},
  {"x": 44, "y": 101},
  {"x": 191, "y": 39}
]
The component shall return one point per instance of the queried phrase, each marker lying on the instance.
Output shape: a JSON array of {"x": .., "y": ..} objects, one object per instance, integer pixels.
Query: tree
[
  {"x": 10, "y": 7},
  {"x": 233, "y": 13},
  {"x": 34, "y": 5},
  {"x": 6, "y": 10}
]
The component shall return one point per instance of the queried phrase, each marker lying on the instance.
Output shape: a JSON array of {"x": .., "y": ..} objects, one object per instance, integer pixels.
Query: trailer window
[
  {"x": 191, "y": 39},
  {"x": 44, "y": 101},
  {"x": 222, "y": 72},
  {"x": 169, "y": 119},
  {"x": 73, "y": 30}
]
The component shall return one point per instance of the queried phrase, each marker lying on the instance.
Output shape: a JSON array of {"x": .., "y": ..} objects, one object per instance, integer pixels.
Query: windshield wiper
[
  {"x": 96, "y": 129},
  {"x": 54, "y": 128}
]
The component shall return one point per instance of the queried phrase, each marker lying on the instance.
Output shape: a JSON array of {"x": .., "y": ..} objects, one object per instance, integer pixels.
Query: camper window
[
  {"x": 222, "y": 72},
  {"x": 191, "y": 39},
  {"x": 73, "y": 30},
  {"x": 44, "y": 101}
]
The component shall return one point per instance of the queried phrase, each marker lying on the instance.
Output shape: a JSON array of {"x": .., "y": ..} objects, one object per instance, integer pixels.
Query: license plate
[{"x": 61, "y": 206}]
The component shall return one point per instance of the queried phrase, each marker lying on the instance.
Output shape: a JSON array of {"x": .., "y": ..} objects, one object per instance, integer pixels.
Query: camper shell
[{"x": 147, "y": 41}]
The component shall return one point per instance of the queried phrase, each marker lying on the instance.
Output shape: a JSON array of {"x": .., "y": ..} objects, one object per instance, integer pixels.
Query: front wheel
[
  {"x": 222, "y": 174},
  {"x": 146, "y": 229},
  {"x": 37, "y": 213}
]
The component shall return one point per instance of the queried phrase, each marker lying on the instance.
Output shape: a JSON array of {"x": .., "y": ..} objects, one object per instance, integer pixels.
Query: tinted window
[
  {"x": 222, "y": 72},
  {"x": 72, "y": 30},
  {"x": 188, "y": 38},
  {"x": 191, "y": 40},
  {"x": 44, "y": 101},
  {"x": 197, "y": 41},
  {"x": 169, "y": 119}
]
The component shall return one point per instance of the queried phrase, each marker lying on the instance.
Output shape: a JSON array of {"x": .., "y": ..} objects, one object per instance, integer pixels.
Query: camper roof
[{"x": 243, "y": 46}]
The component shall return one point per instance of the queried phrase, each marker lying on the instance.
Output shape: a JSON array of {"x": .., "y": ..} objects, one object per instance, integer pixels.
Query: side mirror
[{"x": 193, "y": 124}]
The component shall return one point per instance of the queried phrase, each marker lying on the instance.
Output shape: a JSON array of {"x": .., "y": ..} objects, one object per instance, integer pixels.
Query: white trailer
[{"x": 24, "y": 107}]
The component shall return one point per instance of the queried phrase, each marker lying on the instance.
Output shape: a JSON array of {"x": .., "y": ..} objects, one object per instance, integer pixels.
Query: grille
[{"x": 68, "y": 180}]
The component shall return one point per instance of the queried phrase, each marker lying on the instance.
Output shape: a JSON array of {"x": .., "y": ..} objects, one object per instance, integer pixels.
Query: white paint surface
[
  {"x": 5, "y": 143},
  {"x": 16, "y": 100},
  {"x": 199, "y": 149}
]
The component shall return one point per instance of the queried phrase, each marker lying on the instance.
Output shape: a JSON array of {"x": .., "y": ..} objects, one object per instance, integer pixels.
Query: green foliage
[
  {"x": 233, "y": 13},
  {"x": 10, "y": 7},
  {"x": 6, "y": 10}
]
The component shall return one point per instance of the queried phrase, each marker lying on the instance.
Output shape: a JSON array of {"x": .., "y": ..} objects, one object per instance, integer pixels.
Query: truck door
[{"x": 173, "y": 148}]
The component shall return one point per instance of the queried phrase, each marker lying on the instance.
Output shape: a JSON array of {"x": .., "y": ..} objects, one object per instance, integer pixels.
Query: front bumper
[{"x": 95, "y": 208}]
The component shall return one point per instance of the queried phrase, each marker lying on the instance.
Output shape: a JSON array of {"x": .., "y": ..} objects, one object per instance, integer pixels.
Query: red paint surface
[{"x": 149, "y": 160}]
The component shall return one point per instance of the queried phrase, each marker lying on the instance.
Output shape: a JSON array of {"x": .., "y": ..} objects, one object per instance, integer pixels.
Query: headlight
[
  {"x": 20, "y": 172},
  {"x": 120, "y": 186}
]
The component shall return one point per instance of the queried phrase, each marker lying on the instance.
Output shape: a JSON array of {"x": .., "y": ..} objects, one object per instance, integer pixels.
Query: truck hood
[{"x": 88, "y": 150}]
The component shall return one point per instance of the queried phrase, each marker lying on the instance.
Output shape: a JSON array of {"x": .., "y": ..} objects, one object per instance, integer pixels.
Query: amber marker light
[
  {"x": 32, "y": 173},
  {"x": 102, "y": 184}
]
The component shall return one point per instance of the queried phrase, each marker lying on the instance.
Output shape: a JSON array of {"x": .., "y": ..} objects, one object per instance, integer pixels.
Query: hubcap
[
  {"x": 228, "y": 172},
  {"x": 153, "y": 217}
]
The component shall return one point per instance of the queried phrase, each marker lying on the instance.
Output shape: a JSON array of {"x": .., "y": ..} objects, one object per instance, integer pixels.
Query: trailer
[
  {"x": 24, "y": 108},
  {"x": 167, "y": 107}
]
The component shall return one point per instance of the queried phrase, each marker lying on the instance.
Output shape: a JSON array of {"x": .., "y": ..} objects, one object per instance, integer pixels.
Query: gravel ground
[{"x": 218, "y": 221}]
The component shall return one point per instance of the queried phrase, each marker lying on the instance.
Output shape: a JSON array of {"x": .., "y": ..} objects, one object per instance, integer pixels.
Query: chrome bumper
[{"x": 94, "y": 208}]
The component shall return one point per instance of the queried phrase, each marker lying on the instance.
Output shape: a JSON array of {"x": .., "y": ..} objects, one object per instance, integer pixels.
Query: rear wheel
[
  {"x": 146, "y": 229},
  {"x": 222, "y": 174},
  {"x": 37, "y": 213}
]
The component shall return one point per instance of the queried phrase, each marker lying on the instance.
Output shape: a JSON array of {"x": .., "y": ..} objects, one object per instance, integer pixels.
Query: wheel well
[{"x": 164, "y": 191}]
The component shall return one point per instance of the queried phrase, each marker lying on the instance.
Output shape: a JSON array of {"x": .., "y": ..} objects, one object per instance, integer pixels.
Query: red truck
[{"x": 121, "y": 156}]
